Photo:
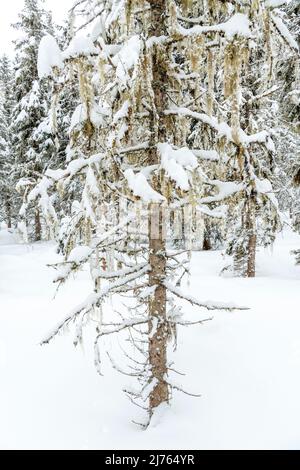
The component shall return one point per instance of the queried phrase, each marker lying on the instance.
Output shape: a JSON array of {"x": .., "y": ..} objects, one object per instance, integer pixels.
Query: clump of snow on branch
[
  {"x": 80, "y": 116},
  {"x": 175, "y": 163},
  {"x": 49, "y": 56},
  {"x": 237, "y": 25},
  {"x": 141, "y": 188},
  {"x": 80, "y": 46},
  {"x": 127, "y": 57}
]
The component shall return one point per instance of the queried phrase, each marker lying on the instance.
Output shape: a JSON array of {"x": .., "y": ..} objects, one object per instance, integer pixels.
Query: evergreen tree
[
  {"x": 33, "y": 140},
  {"x": 63, "y": 103},
  {"x": 129, "y": 156},
  {"x": 237, "y": 88},
  {"x": 7, "y": 193},
  {"x": 289, "y": 79}
]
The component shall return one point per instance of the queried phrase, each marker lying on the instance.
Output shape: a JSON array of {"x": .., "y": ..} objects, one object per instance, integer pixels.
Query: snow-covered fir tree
[
  {"x": 289, "y": 141},
  {"x": 69, "y": 96},
  {"x": 34, "y": 143},
  {"x": 7, "y": 192},
  {"x": 139, "y": 132},
  {"x": 64, "y": 100},
  {"x": 128, "y": 153},
  {"x": 142, "y": 130},
  {"x": 239, "y": 90}
]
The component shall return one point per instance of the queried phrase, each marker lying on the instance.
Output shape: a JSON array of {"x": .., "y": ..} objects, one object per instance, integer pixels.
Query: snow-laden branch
[
  {"x": 94, "y": 300},
  {"x": 284, "y": 32},
  {"x": 209, "y": 305},
  {"x": 40, "y": 191},
  {"x": 237, "y": 25},
  {"x": 74, "y": 167},
  {"x": 190, "y": 323},
  {"x": 264, "y": 94},
  {"x": 81, "y": 254},
  {"x": 224, "y": 130},
  {"x": 196, "y": 21},
  {"x": 216, "y": 213},
  {"x": 210, "y": 155},
  {"x": 176, "y": 162},
  {"x": 101, "y": 273},
  {"x": 140, "y": 187},
  {"x": 226, "y": 189},
  {"x": 134, "y": 148},
  {"x": 121, "y": 326},
  {"x": 271, "y": 4}
]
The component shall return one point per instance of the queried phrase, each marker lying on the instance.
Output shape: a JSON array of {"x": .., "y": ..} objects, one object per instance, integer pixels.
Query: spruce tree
[
  {"x": 33, "y": 140},
  {"x": 237, "y": 89},
  {"x": 288, "y": 74},
  {"x": 131, "y": 162},
  {"x": 7, "y": 192}
]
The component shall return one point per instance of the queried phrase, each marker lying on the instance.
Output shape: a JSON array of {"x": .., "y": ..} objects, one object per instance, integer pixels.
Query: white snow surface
[
  {"x": 245, "y": 364},
  {"x": 49, "y": 56},
  {"x": 7, "y": 236}
]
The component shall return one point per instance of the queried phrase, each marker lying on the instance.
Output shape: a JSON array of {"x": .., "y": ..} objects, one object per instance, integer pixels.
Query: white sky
[{"x": 9, "y": 15}]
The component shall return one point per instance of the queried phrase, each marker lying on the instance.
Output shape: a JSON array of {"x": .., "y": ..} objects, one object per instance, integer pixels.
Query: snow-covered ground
[{"x": 246, "y": 364}]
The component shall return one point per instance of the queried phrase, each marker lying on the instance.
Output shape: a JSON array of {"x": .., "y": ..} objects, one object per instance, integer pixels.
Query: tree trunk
[
  {"x": 158, "y": 330},
  {"x": 251, "y": 227},
  {"x": 206, "y": 242},
  {"x": 248, "y": 218},
  {"x": 38, "y": 228},
  {"x": 8, "y": 213},
  {"x": 251, "y": 256}
]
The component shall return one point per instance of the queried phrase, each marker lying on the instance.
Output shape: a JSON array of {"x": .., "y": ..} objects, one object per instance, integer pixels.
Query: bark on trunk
[
  {"x": 38, "y": 228},
  {"x": 8, "y": 214},
  {"x": 206, "y": 242},
  {"x": 158, "y": 331},
  {"x": 251, "y": 227},
  {"x": 248, "y": 220}
]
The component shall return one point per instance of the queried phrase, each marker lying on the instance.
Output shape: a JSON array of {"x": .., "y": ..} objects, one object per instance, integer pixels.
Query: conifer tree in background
[
  {"x": 33, "y": 141},
  {"x": 241, "y": 94},
  {"x": 289, "y": 78},
  {"x": 68, "y": 98},
  {"x": 7, "y": 192},
  {"x": 63, "y": 102}
]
